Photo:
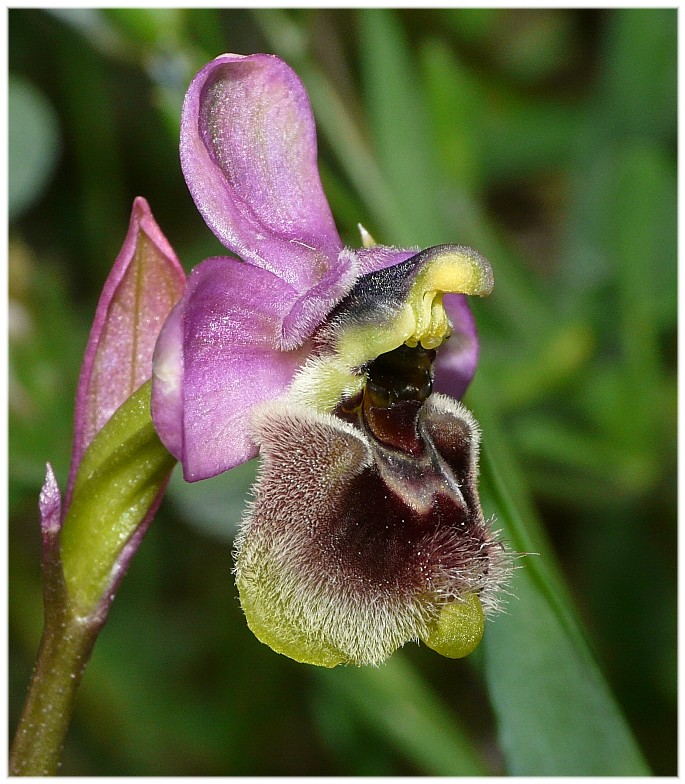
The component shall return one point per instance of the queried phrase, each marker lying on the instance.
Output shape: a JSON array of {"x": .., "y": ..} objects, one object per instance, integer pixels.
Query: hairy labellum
[{"x": 363, "y": 531}]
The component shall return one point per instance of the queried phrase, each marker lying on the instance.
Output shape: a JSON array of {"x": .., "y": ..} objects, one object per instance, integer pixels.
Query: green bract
[{"x": 122, "y": 472}]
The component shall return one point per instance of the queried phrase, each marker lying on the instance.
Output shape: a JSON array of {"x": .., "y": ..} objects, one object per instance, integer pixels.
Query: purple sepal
[
  {"x": 219, "y": 355},
  {"x": 457, "y": 359},
  {"x": 248, "y": 153},
  {"x": 144, "y": 284}
]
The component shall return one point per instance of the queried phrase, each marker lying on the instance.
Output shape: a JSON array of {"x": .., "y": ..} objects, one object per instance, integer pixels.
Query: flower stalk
[
  {"x": 119, "y": 472},
  {"x": 65, "y": 648},
  {"x": 122, "y": 479},
  {"x": 63, "y": 655}
]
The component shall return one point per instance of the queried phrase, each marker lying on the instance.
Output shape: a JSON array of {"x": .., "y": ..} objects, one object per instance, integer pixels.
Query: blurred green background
[{"x": 546, "y": 139}]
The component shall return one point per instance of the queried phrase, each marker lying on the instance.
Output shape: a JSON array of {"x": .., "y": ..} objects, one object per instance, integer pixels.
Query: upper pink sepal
[
  {"x": 248, "y": 153},
  {"x": 145, "y": 283}
]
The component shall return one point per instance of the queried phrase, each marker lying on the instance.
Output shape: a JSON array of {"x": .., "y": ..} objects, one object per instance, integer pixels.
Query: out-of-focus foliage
[
  {"x": 544, "y": 138},
  {"x": 32, "y": 143}
]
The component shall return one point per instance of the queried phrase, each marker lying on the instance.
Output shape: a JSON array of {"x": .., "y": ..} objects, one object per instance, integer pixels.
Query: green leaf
[
  {"x": 148, "y": 27},
  {"x": 397, "y": 114},
  {"x": 455, "y": 99},
  {"x": 555, "y": 713},
  {"x": 638, "y": 89},
  {"x": 642, "y": 229}
]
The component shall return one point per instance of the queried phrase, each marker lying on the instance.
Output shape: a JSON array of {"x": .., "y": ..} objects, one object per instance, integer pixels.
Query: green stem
[
  {"x": 118, "y": 487},
  {"x": 64, "y": 651}
]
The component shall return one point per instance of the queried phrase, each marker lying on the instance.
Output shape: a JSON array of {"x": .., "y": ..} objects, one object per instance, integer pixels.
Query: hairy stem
[{"x": 64, "y": 651}]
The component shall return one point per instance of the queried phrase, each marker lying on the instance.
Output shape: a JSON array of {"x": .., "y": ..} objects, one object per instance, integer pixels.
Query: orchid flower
[{"x": 343, "y": 368}]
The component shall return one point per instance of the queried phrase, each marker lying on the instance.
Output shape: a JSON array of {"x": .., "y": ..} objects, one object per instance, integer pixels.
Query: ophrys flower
[{"x": 343, "y": 368}]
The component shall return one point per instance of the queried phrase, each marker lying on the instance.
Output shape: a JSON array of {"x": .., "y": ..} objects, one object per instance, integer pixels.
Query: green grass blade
[
  {"x": 398, "y": 118},
  {"x": 555, "y": 712},
  {"x": 395, "y": 703}
]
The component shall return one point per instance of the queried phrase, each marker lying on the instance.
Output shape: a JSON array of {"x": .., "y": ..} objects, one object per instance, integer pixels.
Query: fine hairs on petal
[{"x": 489, "y": 583}]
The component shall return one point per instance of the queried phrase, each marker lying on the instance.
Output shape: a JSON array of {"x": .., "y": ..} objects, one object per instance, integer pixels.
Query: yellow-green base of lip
[
  {"x": 458, "y": 629},
  {"x": 289, "y": 641}
]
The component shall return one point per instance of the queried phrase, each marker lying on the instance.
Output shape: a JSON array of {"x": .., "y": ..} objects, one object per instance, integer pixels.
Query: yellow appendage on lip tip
[
  {"x": 458, "y": 629},
  {"x": 267, "y": 621}
]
